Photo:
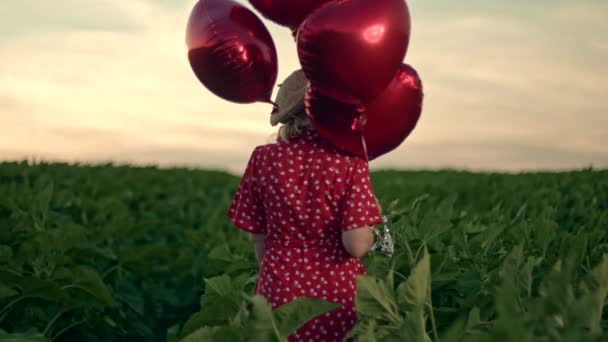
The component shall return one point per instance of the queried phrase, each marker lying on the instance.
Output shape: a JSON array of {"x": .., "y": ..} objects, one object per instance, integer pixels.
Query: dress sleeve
[
  {"x": 247, "y": 210},
  {"x": 359, "y": 207}
]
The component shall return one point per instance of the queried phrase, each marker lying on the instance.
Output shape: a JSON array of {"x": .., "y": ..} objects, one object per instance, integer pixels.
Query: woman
[{"x": 309, "y": 209}]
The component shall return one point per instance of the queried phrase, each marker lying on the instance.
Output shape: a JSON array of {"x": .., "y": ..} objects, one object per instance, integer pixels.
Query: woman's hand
[{"x": 259, "y": 246}]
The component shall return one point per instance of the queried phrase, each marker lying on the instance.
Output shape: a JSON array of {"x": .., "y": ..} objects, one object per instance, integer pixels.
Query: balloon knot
[{"x": 358, "y": 123}]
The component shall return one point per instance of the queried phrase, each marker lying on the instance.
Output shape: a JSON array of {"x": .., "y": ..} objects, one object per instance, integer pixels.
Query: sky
[{"x": 510, "y": 85}]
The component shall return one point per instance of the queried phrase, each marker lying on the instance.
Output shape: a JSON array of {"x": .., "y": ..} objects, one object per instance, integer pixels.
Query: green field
[{"x": 113, "y": 253}]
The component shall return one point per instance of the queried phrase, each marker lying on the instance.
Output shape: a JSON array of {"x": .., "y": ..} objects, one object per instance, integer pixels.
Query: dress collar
[{"x": 309, "y": 135}]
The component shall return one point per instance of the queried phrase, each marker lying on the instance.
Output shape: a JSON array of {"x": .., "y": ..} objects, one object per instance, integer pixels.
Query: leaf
[
  {"x": 437, "y": 222},
  {"x": 264, "y": 328},
  {"x": 219, "y": 286},
  {"x": 518, "y": 269},
  {"x": 221, "y": 253},
  {"x": 142, "y": 329},
  {"x": 473, "y": 319},
  {"x": 110, "y": 321},
  {"x": 414, "y": 327},
  {"x": 44, "y": 289},
  {"x": 526, "y": 275},
  {"x": 454, "y": 331},
  {"x": 200, "y": 335},
  {"x": 377, "y": 265},
  {"x": 196, "y": 322},
  {"x": 473, "y": 228},
  {"x": 364, "y": 330},
  {"x": 6, "y": 253},
  {"x": 414, "y": 292},
  {"x": 172, "y": 333},
  {"x": 144, "y": 254},
  {"x": 92, "y": 250},
  {"x": 545, "y": 232},
  {"x": 588, "y": 309},
  {"x": 510, "y": 325},
  {"x": 293, "y": 315},
  {"x": 44, "y": 197},
  {"x": 556, "y": 288},
  {"x": 126, "y": 292},
  {"x": 233, "y": 333},
  {"x": 221, "y": 334},
  {"x": 374, "y": 299},
  {"x": 159, "y": 292},
  {"x": 88, "y": 280},
  {"x": 7, "y": 292},
  {"x": 443, "y": 279},
  {"x": 468, "y": 283},
  {"x": 597, "y": 279},
  {"x": 226, "y": 291},
  {"x": 32, "y": 336},
  {"x": 574, "y": 246},
  {"x": 220, "y": 303},
  {"x": 485, "y": 240}
]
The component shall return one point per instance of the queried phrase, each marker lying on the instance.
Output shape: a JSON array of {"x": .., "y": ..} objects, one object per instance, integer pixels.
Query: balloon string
[
  {"x": 358, "y": 125},
  {"x": 355, "y": 125},
  {"x": 364, "y": 144}
]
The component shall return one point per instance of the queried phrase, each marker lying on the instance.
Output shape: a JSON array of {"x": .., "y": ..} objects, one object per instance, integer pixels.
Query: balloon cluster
[{"x": 361, "y": 98}]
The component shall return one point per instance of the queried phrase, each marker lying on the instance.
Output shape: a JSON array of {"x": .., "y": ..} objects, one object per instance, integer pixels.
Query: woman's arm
[
  {"x": 358, "y": 242},
  {"x": 259, "y": 246}
]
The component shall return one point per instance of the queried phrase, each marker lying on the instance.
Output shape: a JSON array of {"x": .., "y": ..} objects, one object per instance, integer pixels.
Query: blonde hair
[{"x": 293, "y": 126}]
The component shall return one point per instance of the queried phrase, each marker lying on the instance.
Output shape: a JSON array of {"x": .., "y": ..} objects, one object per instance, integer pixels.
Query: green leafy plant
[
  {"x": 229, "y": 314},
  {"x": 115, "y": 253}
]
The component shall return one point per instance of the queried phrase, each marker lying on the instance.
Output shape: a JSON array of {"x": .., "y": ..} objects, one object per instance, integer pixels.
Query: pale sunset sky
[{"x": 510, "y": 85}]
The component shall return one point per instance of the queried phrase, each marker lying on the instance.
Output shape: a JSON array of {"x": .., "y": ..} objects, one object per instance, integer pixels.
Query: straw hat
[{"x": 289, "y": 102}]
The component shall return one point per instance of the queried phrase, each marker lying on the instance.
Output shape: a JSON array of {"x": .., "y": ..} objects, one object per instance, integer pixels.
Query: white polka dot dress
[{"x": 303, "y": 194}]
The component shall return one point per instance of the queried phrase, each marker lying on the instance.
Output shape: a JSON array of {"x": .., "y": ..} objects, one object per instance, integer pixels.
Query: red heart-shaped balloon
[
  {"x": 231, "y": 52},
  {"x": 372, "y": 129},
  {"x": 393, "y": 115},
  {"x": 337, "y": 120},
  {"x": 353, "y": 47},
  {"x": 288, "y": 13}
]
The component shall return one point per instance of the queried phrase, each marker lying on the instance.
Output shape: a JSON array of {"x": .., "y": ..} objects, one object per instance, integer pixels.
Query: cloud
[
  {"x": 508, "y": 85},
  {"x": 10, "y": 103},
  {"x": 183, "y": 146},
  {"x": 30, "y": 17},
  {"x": 490, "y": 156},
  {"x": 491, "y": 75}
]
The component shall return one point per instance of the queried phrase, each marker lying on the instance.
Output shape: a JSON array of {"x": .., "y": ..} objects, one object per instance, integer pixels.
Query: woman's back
[
  {"x": 308, "y": 208},
  {"x": 303, "y": 194}
]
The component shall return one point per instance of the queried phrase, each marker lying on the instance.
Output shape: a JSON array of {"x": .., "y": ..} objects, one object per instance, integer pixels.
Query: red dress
[{"x": 303, "y": 194}]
